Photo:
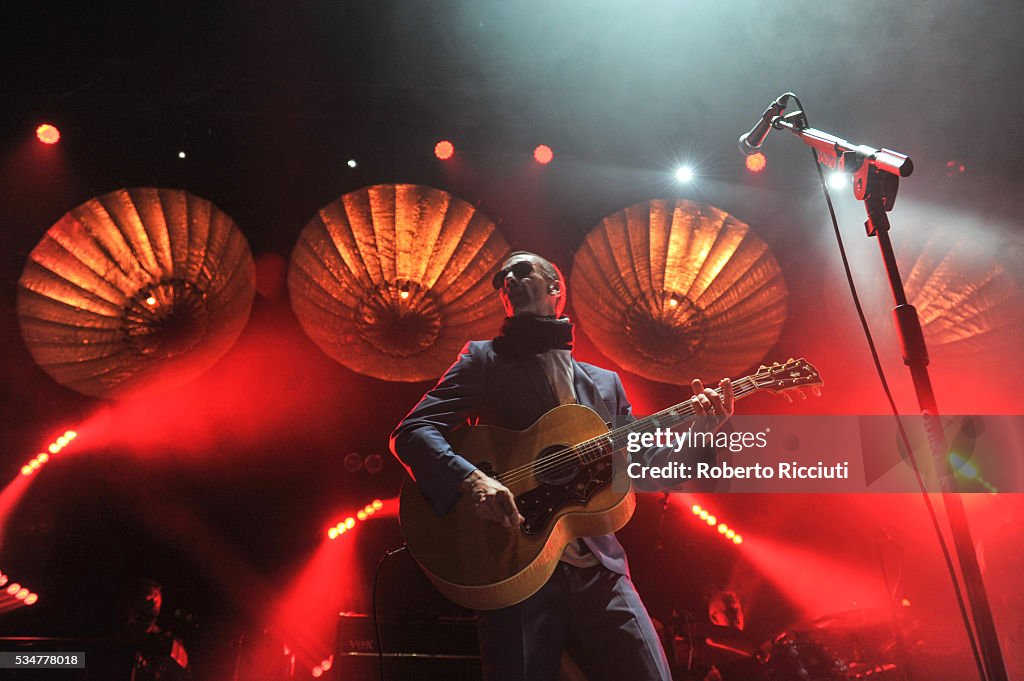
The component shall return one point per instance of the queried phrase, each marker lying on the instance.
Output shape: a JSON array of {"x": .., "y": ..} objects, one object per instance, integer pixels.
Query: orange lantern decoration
[
  {"x": 391, "y": 280},
  {"x": 970, "y": 307},
  {"x": 135, "y": 291},
  {"x": 676, "y": 290}
]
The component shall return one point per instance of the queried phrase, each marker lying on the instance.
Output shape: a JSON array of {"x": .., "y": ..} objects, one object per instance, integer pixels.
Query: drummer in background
[{"x": 725, "y": 610}]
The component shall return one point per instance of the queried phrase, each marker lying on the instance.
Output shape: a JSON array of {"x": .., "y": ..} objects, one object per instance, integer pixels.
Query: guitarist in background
[{"x": 589, "y": 607}]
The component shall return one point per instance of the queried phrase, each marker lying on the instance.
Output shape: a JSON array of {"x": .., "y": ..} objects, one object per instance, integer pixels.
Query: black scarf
[{"x": 527, "y": 335}]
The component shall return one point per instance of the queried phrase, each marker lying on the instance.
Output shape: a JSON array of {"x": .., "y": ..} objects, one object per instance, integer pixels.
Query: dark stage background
[{"x": 222, "y": 489}]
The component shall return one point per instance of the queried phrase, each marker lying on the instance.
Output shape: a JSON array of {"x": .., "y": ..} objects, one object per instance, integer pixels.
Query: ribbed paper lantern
[
  {"x": 969, "y": 306},
  {"x": 135, "y": 291},
  {"x": 392, "y": 280},
  {"x": 676, "y": 290}
]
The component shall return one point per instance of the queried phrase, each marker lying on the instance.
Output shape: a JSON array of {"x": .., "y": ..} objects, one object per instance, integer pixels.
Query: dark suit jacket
[{"x": 482, "y": 387}]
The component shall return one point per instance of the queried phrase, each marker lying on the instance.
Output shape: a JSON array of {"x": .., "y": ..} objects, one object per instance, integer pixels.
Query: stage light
[
  {"x": 317, "y": 672},
  {"x": 13, "y": 588},
  {"x": 353, "y": 462},
  {"x": 369, "y": 509},
  {"x": 3, "y": 579},
  {"x": 48, "y": 134},
  {"x": 351, "y": 163},
  {"x": 350, "y": 523},
  {"x": 711, "y": 520},
  {"x": 361, "y": 515},
  {"x": 70, "y": 434},
  {"x": 756, "y": 162},
  {"x": 837, "y": 181},
  {"x": 543, "y": 155},
  {"x": 53, "y": 448},
  {"x": 26, "y": 470},
  {"x": 684, "y": 174},
  {"x": 332, "y": 533},
  {"x": 31, "y": 598},
  {"x": 444, "y": 150},
  {"x": 377, "y": 504},
  {"x": 22, "y": 593},
  {"x": 374, "y": 464},
  {"x": 327, "y": 663},
  {"x": 181, "y": 154}
]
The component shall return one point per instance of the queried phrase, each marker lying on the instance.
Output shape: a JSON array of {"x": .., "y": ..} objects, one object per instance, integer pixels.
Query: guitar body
[{"x": 482, "y": 565}]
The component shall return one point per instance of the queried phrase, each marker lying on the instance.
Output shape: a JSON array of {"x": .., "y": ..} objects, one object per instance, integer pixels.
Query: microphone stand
[{"x": 876, "y": 174}]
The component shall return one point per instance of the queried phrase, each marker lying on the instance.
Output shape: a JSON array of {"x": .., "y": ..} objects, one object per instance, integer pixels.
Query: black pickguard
[{"x": 572, "y": 484}]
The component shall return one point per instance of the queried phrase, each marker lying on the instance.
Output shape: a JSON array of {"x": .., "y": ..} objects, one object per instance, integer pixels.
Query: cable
[
  {"x": 373, "y": 598},
  {"x": 896, "y": 414}
]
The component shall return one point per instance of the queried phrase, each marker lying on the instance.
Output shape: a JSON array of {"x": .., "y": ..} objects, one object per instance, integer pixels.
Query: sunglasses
[{"x": 521, "y": 269}]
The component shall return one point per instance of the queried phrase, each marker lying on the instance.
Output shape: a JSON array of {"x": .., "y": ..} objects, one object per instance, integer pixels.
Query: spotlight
[
  {"x": 756, "y": 162},
  {"x": 696, "y": 509},
  {"x": 684, "y": 174},
  {"x": 3, "y": 579},
  {"x": 377, "y": 504},
  {"x": 543, "y": 155},
  {"x": 353, "y": 462},
  {"x": 22, "y": 593},
  {"x": 48, "y": 134},
  {"x": 13, "y": 588},
  {"x": 444, "y": 150},
  {"x": 374, "y": 464},
  {"x": 26, "y": 470},
  {"x": 350, "y": 523},
  {"x": 351, "y": 163},
  {"x": 361, "y": 515},
  {"x": 332, "y": 533},
  {"x": 837, "y": 181},
  {"x": 181, "y": 154},
  {"x": 31, "y": 598}
]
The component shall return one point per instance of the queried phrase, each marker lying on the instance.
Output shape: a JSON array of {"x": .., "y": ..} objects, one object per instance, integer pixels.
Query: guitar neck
[{"x": 617, "y": 438}]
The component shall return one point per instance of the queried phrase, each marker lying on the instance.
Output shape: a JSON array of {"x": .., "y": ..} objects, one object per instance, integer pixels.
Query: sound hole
[{"x": 554, "y": 466}]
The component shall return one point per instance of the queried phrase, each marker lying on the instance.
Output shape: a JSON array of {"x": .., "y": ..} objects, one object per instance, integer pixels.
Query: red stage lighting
[
  {"x": 756, "y": 162},
  {"x": 543, "y": 154},
  {"x": 48, "y": 134},
  {"x": 31, "y": 598},
  {"x": 13, "y": 588},
  {"x": 444, "y": 150}
]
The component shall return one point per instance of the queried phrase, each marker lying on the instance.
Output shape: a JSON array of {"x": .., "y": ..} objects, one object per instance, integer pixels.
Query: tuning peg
[
  {"x": 762, "y": 368},
  {"x": 788, "y": 398},
  {"x": 816, "y": 391}
]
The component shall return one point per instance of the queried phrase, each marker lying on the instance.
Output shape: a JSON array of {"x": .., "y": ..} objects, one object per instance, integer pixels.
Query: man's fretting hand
[
  {"x": 492, "y": 500},
  {"x": 712, "y": 409}
]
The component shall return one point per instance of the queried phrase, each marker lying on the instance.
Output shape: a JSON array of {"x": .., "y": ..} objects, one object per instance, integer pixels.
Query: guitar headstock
[{"x": 788, "y": 376}]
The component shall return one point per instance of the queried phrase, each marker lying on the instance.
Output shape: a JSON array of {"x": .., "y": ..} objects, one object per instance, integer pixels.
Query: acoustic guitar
[{"x": 561, "y": 472}]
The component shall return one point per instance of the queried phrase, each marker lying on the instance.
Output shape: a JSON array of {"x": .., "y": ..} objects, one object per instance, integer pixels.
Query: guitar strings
[
  {"x": 598, "y": 443},
  {"x": 742, "y": 388}
]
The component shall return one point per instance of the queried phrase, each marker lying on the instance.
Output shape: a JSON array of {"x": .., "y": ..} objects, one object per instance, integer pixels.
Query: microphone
[{"x": 750, "y": 143}]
